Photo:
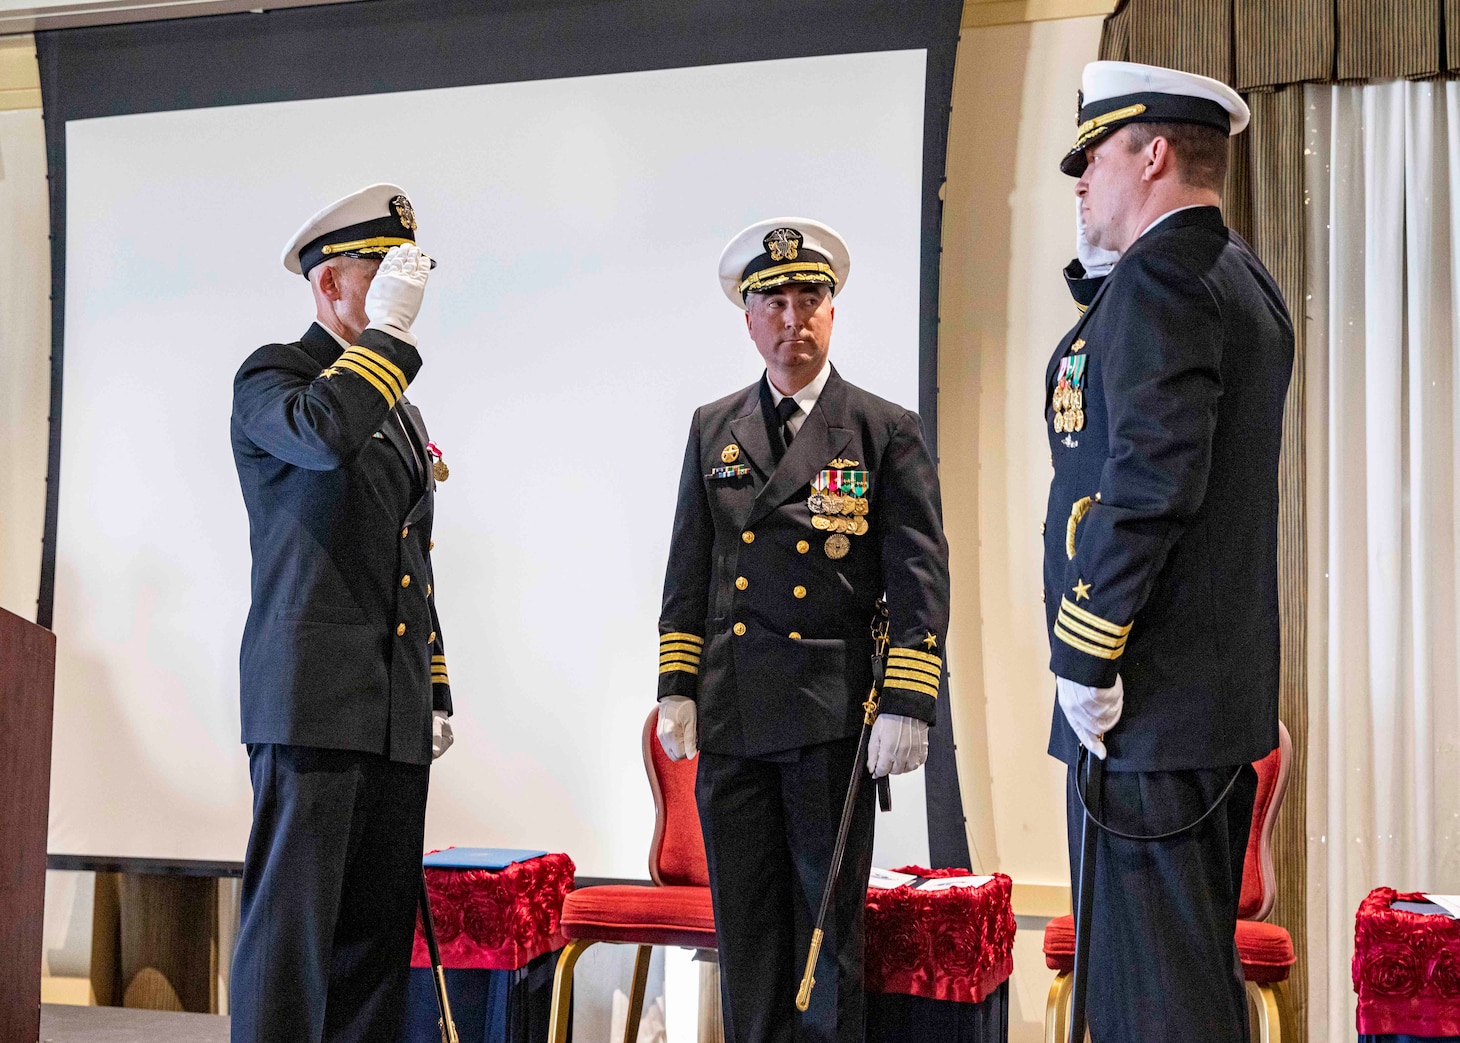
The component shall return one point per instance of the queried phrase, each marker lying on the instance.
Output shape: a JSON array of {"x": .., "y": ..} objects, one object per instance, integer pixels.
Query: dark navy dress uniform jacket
[
  {"x": 769, "y": 635},
  {"x": 342, "y": 648},
  {"x": 1172, "y": 583}
]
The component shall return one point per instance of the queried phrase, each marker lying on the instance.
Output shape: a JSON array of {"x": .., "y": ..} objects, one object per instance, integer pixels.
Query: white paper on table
[
  {"x": 885, "y": 879},
  {"x": 947, "y": 882},
  {"x": 1449, "y": 903}
]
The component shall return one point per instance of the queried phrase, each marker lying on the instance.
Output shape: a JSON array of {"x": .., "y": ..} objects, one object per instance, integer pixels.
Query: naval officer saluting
[
  {"x": 803, "y": 500},
  {"x": 1164, "y": 405},
  {"x": 344, "y": 688}
]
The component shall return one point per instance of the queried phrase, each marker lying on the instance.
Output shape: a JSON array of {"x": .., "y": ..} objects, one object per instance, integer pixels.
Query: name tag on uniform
[{"x": 737, "y": 471}]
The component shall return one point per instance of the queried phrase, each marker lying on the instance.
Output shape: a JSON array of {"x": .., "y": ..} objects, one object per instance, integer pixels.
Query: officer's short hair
[{"x": 1201, "y": 151}]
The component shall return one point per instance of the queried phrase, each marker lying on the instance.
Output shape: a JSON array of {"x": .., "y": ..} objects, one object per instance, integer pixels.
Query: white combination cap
[
  {"x": 366, "y": 223},
  {"x": 1118, "y": 93},
  {"x": 783, "y": 250}
]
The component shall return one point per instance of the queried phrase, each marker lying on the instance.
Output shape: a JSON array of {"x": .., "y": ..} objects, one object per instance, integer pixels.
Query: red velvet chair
[
  {"x": 675, "y": 911},
  {"x": 1265, "y": 949}
]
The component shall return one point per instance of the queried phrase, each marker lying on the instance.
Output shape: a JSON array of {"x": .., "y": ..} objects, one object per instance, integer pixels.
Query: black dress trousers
[
  {"x": 770, "y": 828},
  {"x": 330, "y": 885},
  {"x": 1163, "y": 958}
]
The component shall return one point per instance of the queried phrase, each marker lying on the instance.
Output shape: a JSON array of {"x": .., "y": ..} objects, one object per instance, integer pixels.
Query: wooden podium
[{"x": 27, "y": 684}]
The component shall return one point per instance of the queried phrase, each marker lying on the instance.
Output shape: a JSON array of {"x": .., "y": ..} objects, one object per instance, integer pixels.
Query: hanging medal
[{"x": 439, "y": 470}]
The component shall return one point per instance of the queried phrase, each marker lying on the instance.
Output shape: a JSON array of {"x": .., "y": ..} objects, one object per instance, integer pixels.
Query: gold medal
[
  {"x": 730, "y": 453},
  {"x": 821, "y": 522},
  {"x": 440, "y": 470},
  {"x": 1059, "y": 422},
  {"x": 837, "y": 547},
  {"x": 1079, "y": 424},
  {"x": 1079, "y": 400},
  {"x": 859, "y": 526},
  {"x": 861, "y": 506}
]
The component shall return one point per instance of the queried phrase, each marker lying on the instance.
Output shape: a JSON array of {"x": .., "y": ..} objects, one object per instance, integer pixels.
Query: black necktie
[{"x": 785, "y": 409}]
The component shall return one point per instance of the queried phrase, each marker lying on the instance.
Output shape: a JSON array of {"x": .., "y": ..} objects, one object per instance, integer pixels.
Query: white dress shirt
[{"x": 805, "y": 398}]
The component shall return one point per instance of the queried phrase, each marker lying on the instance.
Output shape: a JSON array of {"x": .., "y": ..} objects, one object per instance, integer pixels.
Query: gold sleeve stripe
[
  {"x": 911, "y": 686},
  {"x": 679, "y": 646},
  {"x": 912, "y": 653},
  {"x": 1084, "y": 646},
  {"x": 679, "y": 657},
  {"x": 692, "y": 638},
  {"x": 385, "y": 363},
  {"x": 684, "y": 668},
  {"x": 909, "y": 675},
  {"x": 440, "y": 679},
  {"x": 1091, "y": 634},
  {"x": 438, "y": 658},
  {"x": 912, "y": 664},
  {"x": 357, "y": 355},
  {"x": 379, "y": 385},
  {"x": 1091, "y": 619}
]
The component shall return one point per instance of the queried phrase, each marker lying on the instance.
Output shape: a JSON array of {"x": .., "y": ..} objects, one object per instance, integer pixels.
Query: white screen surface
[{"x": 573, "y": 325}]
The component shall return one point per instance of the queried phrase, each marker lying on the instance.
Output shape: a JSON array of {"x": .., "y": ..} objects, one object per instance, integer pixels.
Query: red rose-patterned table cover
[
  {"x": 496, "y": 920},
  {"x": 956, "y": 944},
  {"x": 1406, "y": 968}
]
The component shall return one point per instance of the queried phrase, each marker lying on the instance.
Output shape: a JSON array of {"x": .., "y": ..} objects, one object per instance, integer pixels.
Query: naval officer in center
[{"x": 803, "y": 500}]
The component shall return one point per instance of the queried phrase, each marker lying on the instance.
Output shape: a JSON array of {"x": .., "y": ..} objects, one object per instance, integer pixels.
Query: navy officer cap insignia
[
  {"x": 783, "y": 250},
  {"x": 366, "y": 223},
  {"x": 1115, "y": 94}
]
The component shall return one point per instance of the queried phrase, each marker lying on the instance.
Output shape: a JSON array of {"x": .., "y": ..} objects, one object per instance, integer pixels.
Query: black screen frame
[{"x": 386, "y": 46}]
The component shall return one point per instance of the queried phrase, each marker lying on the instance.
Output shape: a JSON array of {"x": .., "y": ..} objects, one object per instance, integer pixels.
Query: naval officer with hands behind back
[
  {"x": 344, "y": 690},
  {"x": 802, "y": 501},
  {"x": 1164, "y": 405}
]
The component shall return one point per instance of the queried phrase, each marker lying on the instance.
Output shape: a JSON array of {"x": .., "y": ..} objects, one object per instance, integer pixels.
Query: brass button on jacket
[
  {"x": 405, "y": 532},
  {"x": 739, "y": 629},
  {"x": 400, "y": 631},
  {"x": 799, "y": 590},
  {"x": 741, "y": 583},
  {"x": 748, "y": 536},
  {"x": 802, "y": 546},
  {"x": 432, "y": 639},
  {"x": 405, "y": 580}
]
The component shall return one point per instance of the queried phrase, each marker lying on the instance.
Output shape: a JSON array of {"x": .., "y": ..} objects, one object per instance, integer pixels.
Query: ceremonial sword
[
  {"x": 438, "y": 972},
  {"x": 880, "y": 632}
]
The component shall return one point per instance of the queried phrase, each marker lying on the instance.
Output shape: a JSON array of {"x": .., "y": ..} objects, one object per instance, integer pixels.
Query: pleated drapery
[{"x": 1383, "y": 313}]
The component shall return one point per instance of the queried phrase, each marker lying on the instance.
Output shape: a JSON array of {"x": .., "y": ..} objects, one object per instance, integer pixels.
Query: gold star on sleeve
[{"x": 1082, "y": 590}]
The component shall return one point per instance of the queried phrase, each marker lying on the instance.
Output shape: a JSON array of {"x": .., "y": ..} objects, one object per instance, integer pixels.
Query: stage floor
[{"x": 63, "y": 1024}]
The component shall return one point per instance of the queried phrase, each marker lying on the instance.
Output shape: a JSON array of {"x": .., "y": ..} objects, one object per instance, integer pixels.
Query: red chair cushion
[
  {"x": 1059, "y": 944},
  {"x": 1266, "y": 951},
  {"x": 1268, "y": 768},
  {"x": 677, "y": 855},
  {"x": 644, "y": 915}
]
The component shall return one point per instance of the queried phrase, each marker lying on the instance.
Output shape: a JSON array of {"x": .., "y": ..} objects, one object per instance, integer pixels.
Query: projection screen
[{"x": 573, "y": 325}]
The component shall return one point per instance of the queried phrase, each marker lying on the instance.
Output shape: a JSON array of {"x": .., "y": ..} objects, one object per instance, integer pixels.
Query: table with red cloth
[
  {"x": 499, "y": 936},
  {"x": 937, "y": 963},
  {"x": 1406, "y": 970}
]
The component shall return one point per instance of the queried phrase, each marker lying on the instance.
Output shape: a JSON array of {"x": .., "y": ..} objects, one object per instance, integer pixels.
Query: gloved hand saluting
[
  {"x": 897, "y": 744},
  {"x": 1091, "y": 711},
  {"x": 676, "y": 729},
  {"x": 441, "y": 737},
  {"x": 394, "y": 297}
]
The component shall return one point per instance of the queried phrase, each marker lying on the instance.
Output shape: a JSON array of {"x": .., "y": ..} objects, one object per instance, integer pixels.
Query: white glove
[
  {"x": 676, "y": 727},
  {"x": 1095, "y": 260},
  {"x": 1091, "y": 711},
  {"x": 441, "y": 737},
  {"x": 394, "y": 297},
  {"x": 897, "y": 744}
]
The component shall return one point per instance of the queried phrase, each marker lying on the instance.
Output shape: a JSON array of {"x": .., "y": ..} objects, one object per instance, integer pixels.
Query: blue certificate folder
[{"x": 490, "y": 858}]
